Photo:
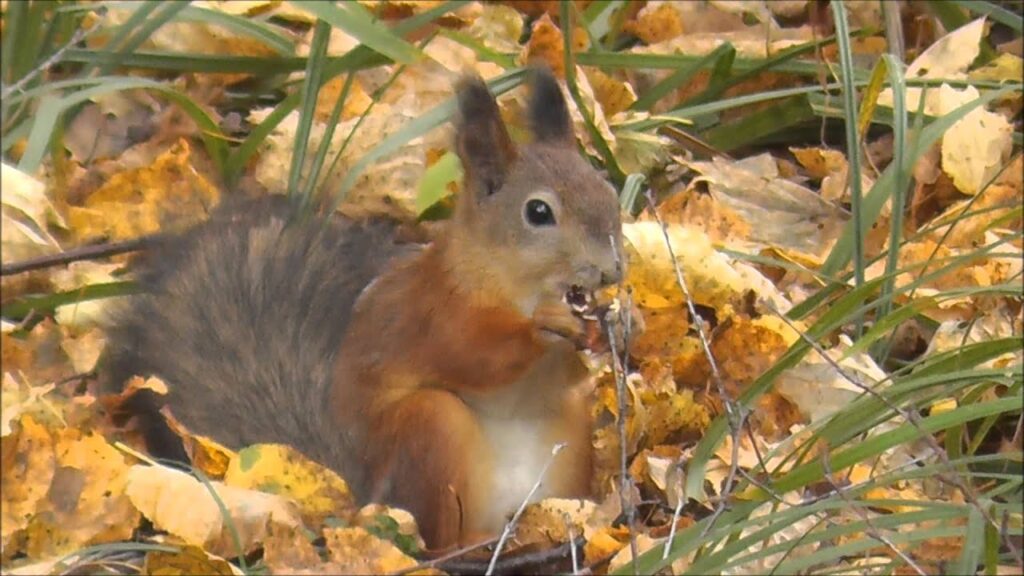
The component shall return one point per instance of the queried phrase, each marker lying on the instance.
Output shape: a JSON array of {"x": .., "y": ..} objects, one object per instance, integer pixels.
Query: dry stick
[
  {"x": 445, "y": 558},
  {"x": 518, "y": 564},
  {"x": 515, "y": 518},
  {"x": 620, "y": 367},
  {"x": 735, "y": 415},
  {"x": 89, "y": 252},
  {"x": 953, "y": 477},
  {"x": 77, "y": 37},
  {"x": 572, "y": 547},
  {"x": 676, "y": 513},
  {"x": 872, "y": 531}
]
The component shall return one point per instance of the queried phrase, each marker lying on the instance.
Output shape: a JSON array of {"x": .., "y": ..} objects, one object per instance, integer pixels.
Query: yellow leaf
[
  {"x": 658, "y": 25},
  {"x": 278, "y": 469},
  {"x": 943, "y": 405},
  {"x": 141, "y": 200},
  {"x": 549, "y": 521},
  {"x": 158, "y": 492},
  {"x": 24, "y": 486},
  {"x": 612, "y": 94},
  {"x": 189, "y": 560},
  {"x": 359, "y": 552}
]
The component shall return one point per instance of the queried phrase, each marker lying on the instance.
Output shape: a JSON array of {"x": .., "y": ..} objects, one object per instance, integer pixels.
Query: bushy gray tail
[{"x": 242, "y": 317}]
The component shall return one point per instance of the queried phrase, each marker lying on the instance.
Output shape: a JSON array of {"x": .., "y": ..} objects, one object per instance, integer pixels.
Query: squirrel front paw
[{"x": 555, "y": 320}]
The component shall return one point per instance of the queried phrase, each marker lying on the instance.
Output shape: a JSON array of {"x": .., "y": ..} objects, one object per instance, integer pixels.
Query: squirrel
[{"x": 437, "y": 379}]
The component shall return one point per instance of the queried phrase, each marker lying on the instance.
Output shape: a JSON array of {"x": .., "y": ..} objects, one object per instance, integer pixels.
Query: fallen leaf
[
  {"x": 282, "y": 470},
  {"x": 550, "y": 521},
  {"x": 780, "y": 213},
  {"x": 27, "y": 215},
  {"x": 188, "y": 560},
  {"x": 158, "y": 491},
  {"x": 140, "y": 201},
  {"x": 357, "y": 551}
]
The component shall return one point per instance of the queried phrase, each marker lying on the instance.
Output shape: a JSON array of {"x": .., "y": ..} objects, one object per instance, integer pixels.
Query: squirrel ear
[
  {"x": 549, "y": 114},
  {"x": 482, "y": 142}
]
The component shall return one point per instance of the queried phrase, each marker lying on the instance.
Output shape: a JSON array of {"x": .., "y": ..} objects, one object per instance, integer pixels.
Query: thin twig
[
  {"x": 90, "y": 252},
  {"x": 515, "y": 518},
  {"x": 445, "y": 558},
  {"x": 79, "y": 35},
  {"x": 872, "y": 531},
  {"x": 523, "y": 563},
  {"x": 735, "y": 414},
  {"x": 572, "y": 549},
  {"x": 676, "y": 513},
  {"x": 619, "y": 370}
]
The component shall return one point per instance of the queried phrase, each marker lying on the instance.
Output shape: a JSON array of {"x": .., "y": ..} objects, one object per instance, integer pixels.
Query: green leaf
[
  {"x": 20, "y": 307},
  {"x": 870, "y": 447},
  {"x": 212, "y": 63},
  {"x": 265, "y": 33},
  {"x": 994, "y": 11},
  {"x": 834, "y": 316},
  {"x": 139, "y": 32},
  {"x": 596, "y": 138},
  {"x": 434, "y": 184}
]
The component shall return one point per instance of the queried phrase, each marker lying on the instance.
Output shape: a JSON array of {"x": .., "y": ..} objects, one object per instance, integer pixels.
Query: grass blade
[
  {"x": 354, "y": 19},
  {"x": 610, "y": 163},
  {"x": 137, "y": 35},
  {"x": 902, "y": 178},
  {"x": 994, "y": 11},
  {"x": 681, "y": 76},
  {"x": 310, "y": 90},
  {"x": 849, "y": 94},
  {"x": 51, "y": 109}
]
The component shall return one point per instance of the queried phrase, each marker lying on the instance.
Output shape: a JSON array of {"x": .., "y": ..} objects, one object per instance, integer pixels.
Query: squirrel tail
[{"x": 242, "y": 317}]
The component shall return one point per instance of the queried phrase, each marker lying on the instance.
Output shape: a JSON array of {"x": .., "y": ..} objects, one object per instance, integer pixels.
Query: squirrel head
[{"x": 537, "y": 219}]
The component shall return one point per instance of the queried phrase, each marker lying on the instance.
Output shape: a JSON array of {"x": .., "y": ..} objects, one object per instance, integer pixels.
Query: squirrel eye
[{"x": 538, "y": 213}]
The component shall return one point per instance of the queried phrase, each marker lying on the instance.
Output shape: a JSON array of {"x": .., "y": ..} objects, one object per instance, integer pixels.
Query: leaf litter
[{"x": 71, "y": 478}]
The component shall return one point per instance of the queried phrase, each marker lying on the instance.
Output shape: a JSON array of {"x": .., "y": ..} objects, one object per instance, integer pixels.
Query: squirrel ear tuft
[
  {"x": 549, "y": 113},
  {"x": 482, "y": 141}
]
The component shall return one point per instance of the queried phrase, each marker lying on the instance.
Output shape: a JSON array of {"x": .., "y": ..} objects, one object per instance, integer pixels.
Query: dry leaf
[
  {"x": 357, "y": 551},
  {"x": 189, "y": 560},
  {"x": 158, "y": 492},
  {"x": 282, "y": 470},
  {"x": 780, "y": 213},
  {"x": 550, "y": 521},
  {"x": 27, "y": 215},
  {"x": 140, "y": 201}
]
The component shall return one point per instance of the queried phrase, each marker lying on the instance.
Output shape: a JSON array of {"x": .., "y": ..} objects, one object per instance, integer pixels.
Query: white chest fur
[
  {"x": 521, "y": 424},
  {"x": 519, "y": 450}
]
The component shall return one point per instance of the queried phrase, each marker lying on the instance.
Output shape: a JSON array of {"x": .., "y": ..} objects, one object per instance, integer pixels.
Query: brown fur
[{"x": 444, "y": 386}]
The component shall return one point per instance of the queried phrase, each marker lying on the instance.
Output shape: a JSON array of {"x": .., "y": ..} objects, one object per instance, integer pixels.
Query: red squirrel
[{"x": 437, "y": 380}]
